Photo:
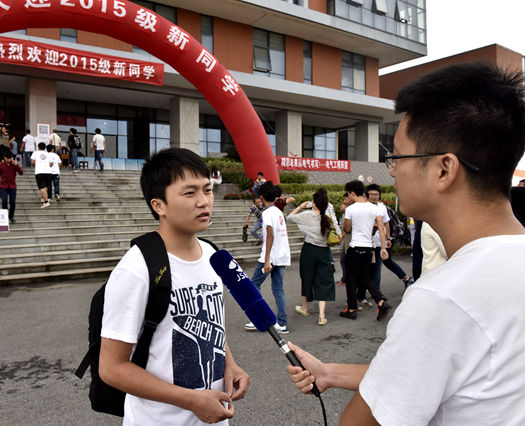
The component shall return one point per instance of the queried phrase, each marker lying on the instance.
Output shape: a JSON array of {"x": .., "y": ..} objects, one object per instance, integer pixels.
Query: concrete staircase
[{"x": 86, "y": 233}]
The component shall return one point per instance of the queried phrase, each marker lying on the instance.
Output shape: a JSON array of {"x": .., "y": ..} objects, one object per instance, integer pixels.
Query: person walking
[
  {"x": 73, "y": 146},
  {"x": 317, "y": 279},
  {"x": 56, "y": 141},
  {"x": 99, "y": 145},
  {"x": 275, "y": 255},
  {"x": 54, "y": 179},
  {"x": 42, "y": 164},
  {"x": 28, "y": 147},
  {"x": 8, "y": 170},
  {"x": 257, "y": 210}
]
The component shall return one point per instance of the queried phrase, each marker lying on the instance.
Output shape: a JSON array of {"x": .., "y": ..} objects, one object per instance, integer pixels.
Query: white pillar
[
  {"x": 184, "y": 123},
  {"x": 288, "y": 132},
  {"x": 367, "y": 142},
  {"x": 41, "y": 103}
]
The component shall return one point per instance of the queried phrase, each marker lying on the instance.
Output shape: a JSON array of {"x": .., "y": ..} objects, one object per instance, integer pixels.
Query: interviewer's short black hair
[
  {"x": 164, "y": 168},
  {"x": 268, "y": 191},
  {"x": 474, "y": 110}
]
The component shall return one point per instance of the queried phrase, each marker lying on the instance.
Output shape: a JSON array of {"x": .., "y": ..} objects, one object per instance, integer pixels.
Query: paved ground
[{"x": 44, "y": 336}]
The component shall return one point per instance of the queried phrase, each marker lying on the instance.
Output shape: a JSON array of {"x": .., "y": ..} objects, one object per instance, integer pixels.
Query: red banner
[
  {"x": 312, "y": 164},
  {"x": 57, "y": 58}
]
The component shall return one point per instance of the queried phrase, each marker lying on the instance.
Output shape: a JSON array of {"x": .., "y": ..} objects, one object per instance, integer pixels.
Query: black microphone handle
[{"x": 289, "y": 354}]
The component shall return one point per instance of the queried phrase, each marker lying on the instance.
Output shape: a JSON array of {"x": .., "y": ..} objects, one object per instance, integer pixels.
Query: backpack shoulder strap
[
  {"x": 209, "y": 242},
  {"x": 154, "y": 251}
]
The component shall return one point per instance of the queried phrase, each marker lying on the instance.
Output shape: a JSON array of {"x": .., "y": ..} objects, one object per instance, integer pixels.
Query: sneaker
[
  {"x": 383, "y": 311},
  {"x": 41, "y": 200},
  {"x": 408, "y": 282},
  {"x": 12, "y": 220},
  {"x": 282, "y": 329},
  {"x": 303, "y": 312},
  {"x": 57, "y": 197},
  {"x": 359, "y": 308},
  {"x": 44, "y": 205},
  {"x": 76, "y": 171},
  {"x": 348, "y": 314},
  {"x": 364, "y": 302},
  {"x": 322, "y": 321},
  {"x": 250, "y": 327}
]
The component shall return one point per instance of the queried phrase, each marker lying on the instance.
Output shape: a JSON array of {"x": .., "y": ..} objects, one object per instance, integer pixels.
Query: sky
[{"x": 455, "y": 26}]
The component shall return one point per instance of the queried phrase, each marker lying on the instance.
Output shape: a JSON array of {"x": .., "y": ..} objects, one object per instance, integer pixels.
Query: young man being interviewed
[{"x": 191, "y": 377}]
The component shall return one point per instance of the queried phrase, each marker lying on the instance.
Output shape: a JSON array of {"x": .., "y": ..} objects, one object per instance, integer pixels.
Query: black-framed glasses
[{"x": 390, "y": 160}]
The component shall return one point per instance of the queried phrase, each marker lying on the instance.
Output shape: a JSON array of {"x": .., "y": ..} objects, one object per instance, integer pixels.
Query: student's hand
[
  {"x": 236, "y": 381},
  {"x": 388, "y": 243},
  {"x": 384, "y": 254},
  {"x": 267, "y": 267},
  {"x": 314, "y": 371},
  {"x": 15, "y": 162},
  {"x": 209, "y": 407}
]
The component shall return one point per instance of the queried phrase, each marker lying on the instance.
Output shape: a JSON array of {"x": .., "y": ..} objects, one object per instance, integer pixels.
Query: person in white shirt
[
  {"x": 28, "y": 147},
  {"x": 191, "y": 377},
  {"x": 360, "y": 218},
  {"x": 99, "y": 145},
  {"x": 450, "y": 358},
  {"x": 42, "y": 163},
  {"x": 54, "y": 180},
  {"x": 275, "y": 254},
  {"x": 56, "y": 141}
]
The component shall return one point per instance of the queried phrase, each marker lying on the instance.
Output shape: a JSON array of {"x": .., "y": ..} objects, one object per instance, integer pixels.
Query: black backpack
[
  {"x": 105, "y": 398},
  {"x": 397, "y": 229}
]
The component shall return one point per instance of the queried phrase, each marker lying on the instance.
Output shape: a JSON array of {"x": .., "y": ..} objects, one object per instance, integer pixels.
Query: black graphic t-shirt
[{"x": 188, "y": 348}]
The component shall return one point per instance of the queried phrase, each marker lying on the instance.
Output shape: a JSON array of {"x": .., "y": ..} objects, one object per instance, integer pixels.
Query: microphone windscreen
[{"x": 243, "y": 290}]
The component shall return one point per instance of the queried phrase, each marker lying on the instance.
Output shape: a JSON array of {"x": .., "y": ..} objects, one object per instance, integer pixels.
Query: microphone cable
[{"x": 323, "y": 409}]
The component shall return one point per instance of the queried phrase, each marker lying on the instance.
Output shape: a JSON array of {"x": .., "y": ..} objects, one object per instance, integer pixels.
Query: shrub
[{"x": 293, "y": 177}]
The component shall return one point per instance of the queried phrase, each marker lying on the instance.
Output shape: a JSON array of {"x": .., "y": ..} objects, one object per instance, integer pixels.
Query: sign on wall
[
  {"x": 312, "y": 164},
  {"x": 57, "y": 58}
]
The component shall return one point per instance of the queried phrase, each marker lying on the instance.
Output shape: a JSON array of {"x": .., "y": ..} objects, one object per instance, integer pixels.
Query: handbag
[{"x": 332, "y": 238}]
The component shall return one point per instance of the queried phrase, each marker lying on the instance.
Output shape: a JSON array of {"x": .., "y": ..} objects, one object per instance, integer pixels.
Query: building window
[
  {"x": 159, "y": 137},
  {"x": 353, "y": 72},
  {"x": 346, "y": 143},
  {"x": 319, "y": 142},
  {"x": 307, "y": 62},
  {"x": 170, "y": 13},
  {"x": 380, "y": 7},
  {"x": 68, "y": 34},
  {"x": 268, "y": 54},
  {"x": 405, "y": 18},
  {"x": 207, "y": 32}
]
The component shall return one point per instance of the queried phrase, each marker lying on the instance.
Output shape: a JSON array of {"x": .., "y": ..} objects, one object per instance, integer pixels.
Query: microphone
[{"x": 251, "y": 302}]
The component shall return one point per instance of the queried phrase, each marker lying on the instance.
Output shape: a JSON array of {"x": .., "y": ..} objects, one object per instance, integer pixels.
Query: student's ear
[
  {"x": 158, "y": 206},
  {"x": 449, "y": 167}
]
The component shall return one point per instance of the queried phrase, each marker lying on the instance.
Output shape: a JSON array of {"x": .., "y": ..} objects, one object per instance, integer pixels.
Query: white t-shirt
[
  {"x": 98, "y": 141},
  {"x": 29, "y": 142},
  {"x": 188, "y": 347},
  {"x": 42, "y": 160},
  {"x": 363, "y": 217},
  {"x": 55, "y": 140},
  {"x": 280, "y": 253},
  {"x": 55, "y": 168},
  {"x": 450, "y": 357},
  {"x": 384, "y": 214}
]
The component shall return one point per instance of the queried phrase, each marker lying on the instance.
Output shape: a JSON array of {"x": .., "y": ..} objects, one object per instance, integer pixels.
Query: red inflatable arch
[{"x": 143, "y": 28}]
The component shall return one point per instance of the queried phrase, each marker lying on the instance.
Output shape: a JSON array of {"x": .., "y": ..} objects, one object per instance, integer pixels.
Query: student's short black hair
[
  {"x": 8, "y": 154},
  {"x": 267, "y": 191},
  {"x": 373, "y": 187},
  {"x": 50, "y": 148},
  {"x": 164, "y": 168},
  {"x": 28, "y": 131},
  {"x": 278, "y": 191},
  {"x": 474, "y": 110},
  {"x": 355, "y": 186},
  {"x": 73, "y": 130},
  {"x": 260, "y": 173},
  {"x": 97, "y": 131},
  {"x": 42, "y": 146}
]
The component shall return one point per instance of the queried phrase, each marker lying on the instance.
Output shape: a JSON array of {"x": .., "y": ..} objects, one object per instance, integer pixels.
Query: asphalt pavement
[{"x": 44, "y": 337}]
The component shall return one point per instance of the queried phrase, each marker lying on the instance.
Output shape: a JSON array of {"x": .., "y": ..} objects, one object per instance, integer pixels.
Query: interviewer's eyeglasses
[{"x": 390, "y": 160}]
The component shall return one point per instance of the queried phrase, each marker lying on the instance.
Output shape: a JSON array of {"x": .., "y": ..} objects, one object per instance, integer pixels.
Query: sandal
[{"x": 303, "y": 312}]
